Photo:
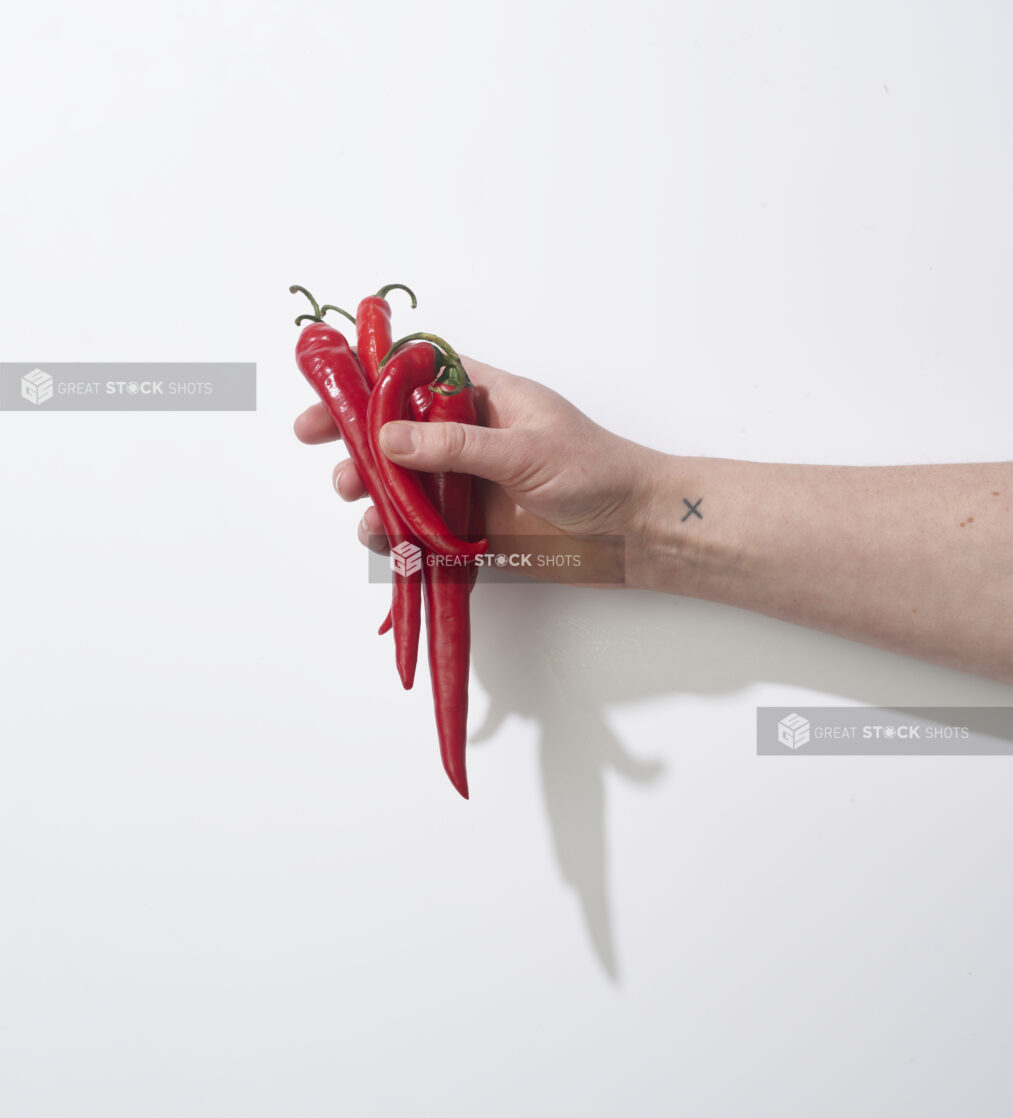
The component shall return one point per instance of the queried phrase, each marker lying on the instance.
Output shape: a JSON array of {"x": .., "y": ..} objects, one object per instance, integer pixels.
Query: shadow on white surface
[{"x": 562, "y": 656}]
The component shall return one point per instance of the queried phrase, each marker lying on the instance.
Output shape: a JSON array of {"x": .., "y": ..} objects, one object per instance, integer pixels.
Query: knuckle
[{"x": 455, "y": 439}]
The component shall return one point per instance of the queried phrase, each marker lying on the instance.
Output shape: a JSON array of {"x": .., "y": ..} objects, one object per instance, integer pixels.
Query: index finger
[{"x": 315, "y": 426}]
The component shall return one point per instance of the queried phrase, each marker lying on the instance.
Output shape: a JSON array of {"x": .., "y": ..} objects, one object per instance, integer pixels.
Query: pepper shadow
[{"x": 562, "y": 656}]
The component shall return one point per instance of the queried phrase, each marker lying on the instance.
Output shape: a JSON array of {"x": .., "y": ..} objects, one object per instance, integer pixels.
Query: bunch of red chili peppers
[{"x": 433, "y": 521}]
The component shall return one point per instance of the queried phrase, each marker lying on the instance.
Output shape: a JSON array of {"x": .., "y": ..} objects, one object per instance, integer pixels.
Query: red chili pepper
[
  {"x": 421, "y": 402},
  {"x": 419, "y": 406},
  {"x": 373, "y": 339},
  {"x": 326, "y": 360},
  {"x": 372, "y": 329},
  {"x": 402, "y": 372},
  {"x": 446, "y": 590}
]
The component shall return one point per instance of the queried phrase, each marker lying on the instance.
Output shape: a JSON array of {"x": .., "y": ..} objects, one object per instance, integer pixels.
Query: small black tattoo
[{"x": 693, "y": 509}]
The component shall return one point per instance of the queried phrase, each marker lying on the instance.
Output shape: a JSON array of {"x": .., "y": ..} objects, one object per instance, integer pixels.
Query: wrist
[{"x": 679, "y": 544}]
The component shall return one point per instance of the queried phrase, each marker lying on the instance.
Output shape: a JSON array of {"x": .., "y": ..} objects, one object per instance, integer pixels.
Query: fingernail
[
  {"x": 399, "y": 438},
  {"x": 337, "y": 481}
]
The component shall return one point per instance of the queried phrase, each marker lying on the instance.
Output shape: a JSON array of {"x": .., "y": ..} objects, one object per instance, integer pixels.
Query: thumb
[{"x": 461, "y": 448}]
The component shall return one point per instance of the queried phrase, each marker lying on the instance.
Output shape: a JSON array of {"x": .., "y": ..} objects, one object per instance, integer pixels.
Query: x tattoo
[{"x": 693, "y": 510}]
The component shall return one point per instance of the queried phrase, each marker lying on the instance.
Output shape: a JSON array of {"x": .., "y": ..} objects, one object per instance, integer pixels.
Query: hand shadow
[{"x": 562, "y": 655}]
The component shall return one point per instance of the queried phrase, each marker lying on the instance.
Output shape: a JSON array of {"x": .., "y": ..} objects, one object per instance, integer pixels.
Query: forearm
[{"x": 916, "y": 559}]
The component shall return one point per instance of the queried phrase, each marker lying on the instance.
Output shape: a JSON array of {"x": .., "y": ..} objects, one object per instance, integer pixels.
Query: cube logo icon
[
  {"x": 793, "y": 731},
  {"x": 406, "y": 558},
  {"x": 37, "y": 387}
]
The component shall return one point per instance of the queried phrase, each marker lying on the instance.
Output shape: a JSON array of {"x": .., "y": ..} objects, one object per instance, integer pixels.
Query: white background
[{"x": 233, "y": 877}]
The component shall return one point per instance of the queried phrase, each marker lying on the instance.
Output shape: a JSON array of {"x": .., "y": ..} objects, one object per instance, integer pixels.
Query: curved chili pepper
[
  {"x": 446, "y": 589},
  {"x": 326, "y": 360},
  {"x": 404, "y": 370},
  {"x": 373, "y": 340},
  {"x": 421, "y": 399},
  {"x": 421, "y": 402},
  {"x": 372, "y": 329}
]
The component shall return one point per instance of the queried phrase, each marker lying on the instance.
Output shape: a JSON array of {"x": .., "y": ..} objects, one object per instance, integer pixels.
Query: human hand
[{"x": 548, "y": 469}]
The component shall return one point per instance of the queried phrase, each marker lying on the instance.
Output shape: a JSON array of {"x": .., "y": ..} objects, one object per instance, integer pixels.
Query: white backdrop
[{"x": 233, "y": 877}]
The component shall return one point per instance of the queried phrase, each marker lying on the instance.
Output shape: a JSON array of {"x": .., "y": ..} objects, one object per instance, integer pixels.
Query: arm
[{"x": 916, "y": 559}]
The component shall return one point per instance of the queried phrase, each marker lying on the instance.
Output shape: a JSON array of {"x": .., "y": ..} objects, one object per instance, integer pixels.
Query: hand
[
  {"x": 806, "y": 544},
  {"x": 549, "y": 469}
]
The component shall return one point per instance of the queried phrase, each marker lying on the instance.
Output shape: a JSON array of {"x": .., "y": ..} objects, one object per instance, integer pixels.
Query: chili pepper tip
[
  {"x": 405, "y": 657},
  {"x": 459, "y": 780}
]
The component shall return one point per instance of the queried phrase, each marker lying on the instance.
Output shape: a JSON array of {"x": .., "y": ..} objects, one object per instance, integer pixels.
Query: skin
[{"x": 914, "y": 559}]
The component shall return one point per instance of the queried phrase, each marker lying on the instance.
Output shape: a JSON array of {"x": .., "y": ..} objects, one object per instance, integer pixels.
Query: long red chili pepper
[
  {"x": 373, "y": 337},
  {"x": 421, "y": 402},
  {"x": 446, "y": 590},
  {"x": 419, "y": 406},
  {"x": 421, "y": 399},
  {"x": 326, "y": 360},
  {"x": 402, "y": 371}
]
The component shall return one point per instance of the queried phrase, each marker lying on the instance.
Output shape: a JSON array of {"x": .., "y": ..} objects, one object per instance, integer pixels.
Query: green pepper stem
[
  {"x": 318, "y": 311},
  {"x": 331, "y": 307},
  {"x": 382, "y": 293},
  {"x": 451, "y": 376}
]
